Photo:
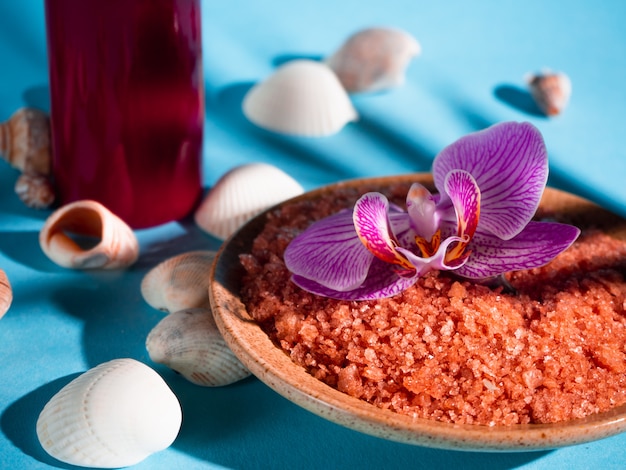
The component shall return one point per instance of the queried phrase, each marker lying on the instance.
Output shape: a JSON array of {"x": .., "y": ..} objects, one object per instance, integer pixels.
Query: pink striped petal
[
  {"x": 510, "y": 165},
  {"x": 535, "y": 246},
  {"x": 330, "y": 253}
]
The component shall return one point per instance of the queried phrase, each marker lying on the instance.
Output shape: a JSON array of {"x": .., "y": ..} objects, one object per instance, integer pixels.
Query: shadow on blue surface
[
  {"x": 519, "y": 99},
  {"x": 19, "y": 421}
]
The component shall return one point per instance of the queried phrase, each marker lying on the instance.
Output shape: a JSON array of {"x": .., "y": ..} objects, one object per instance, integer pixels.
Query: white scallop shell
[
  {"x": 303, "y": 97},
  {"x": 6, "y": 293},
  {"x": 179, "y": 282},
  {"x": 374, "y": 59},
  {"x": 189, "y": 342},
  {"x": 113, "y": 415},
  {"x": 116, "y": 244},
  {"x": 242, "y": 193}
]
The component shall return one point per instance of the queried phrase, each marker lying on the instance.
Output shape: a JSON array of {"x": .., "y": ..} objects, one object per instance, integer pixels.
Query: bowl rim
[{"x": 273, "y": 366}]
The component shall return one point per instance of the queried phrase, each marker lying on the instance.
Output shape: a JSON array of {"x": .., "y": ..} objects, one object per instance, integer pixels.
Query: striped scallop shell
[
  {"x": 113, "y": 415},
  {"x": 115, "y": 244},
  {"x": 303, "y": 97},
  {"x": 374, "y": 59},
  {"x": 551, "y": 91},
  {"x": 189, "y": 342},
  {"x": 179, "y": 282},
  {"x": 242, "y": 193}
]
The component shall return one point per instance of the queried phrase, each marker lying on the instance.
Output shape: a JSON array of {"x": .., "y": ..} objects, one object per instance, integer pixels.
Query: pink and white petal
[
  {"x": 510, "y": 165},
  {"x": 465, "y": 195},
  {"x": 535, "y": 246},
  {"x": 371, "y": 222},
  {"x": 422, "y": 209},
  {"x": 330, "y": 253},
  {"x": 382, "y": 281}
]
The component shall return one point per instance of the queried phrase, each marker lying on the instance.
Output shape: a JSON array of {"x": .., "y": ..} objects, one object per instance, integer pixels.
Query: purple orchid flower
[{"x": 478, "y": 224}]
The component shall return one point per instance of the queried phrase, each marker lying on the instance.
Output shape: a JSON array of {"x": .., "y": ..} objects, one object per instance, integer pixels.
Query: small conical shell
[
  {"x": 116, "y": 245},
  {"x": 551, "y": 91},
  {"x": 35, "y": 190},
  {"x": 189, "y": 342},
  {"x": 374, "y": 59},
  {"x": 242, "y": 193},
  {"x": 113, "y": 415},
  {"x": 6, "y": 293},
  {"x": 179, "y": 282},
  {"x": 303, "y": 98},
  {"x": 25, "y": 141}
]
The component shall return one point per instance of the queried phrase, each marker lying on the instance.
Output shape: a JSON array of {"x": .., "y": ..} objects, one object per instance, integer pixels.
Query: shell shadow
[
  {"x": 33, "y": 258},
  {"x": 19, "y": 420},
  {"x": 288, "y": 57},
  {"x": 518, "y": 98}
]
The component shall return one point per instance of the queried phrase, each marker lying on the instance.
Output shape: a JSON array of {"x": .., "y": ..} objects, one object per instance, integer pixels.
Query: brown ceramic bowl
[{"x": 272, "y": 366}]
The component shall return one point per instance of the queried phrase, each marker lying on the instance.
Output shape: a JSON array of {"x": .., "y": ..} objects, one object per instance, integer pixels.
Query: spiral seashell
[
  {"x": 6, "y": 293},
  {"x": 113, "y": 415},
  {"x": 551, "y": 91},
  {"x": 25, "y": 141},
  {"x": 179, "y": 282},
  {"x": 303, "y": 98},
  {"x": 82, "y": 221},
  {"x": 35, "y": 190},
  {"x": 242, "y": 193},
  {"x": 189, "y": 343},
  {"x": 374, "y": 59}
]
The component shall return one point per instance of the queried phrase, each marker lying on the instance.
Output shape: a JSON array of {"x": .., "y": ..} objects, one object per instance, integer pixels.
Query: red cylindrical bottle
[{"x": 127, "y": 105}]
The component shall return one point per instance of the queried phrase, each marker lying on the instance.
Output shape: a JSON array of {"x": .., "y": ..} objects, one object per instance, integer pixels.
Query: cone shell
[
  {"x": 551, "y": 91},
  {"x": 116, "y": 245},
  {"x": 303, "y": 98},
  {"x": 179, "y": 282},
  {"x": 242, "y": 193},
  {"x": 374, "y": 59},
  {"x": 6, "y": 293},
  {"x": 113, "y": 415},
  {"x": 25, "y": 141},
  {"x": 189, "y": 342}
]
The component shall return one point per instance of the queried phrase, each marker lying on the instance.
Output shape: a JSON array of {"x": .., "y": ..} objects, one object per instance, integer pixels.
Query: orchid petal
[
  {"x": 330, "y": 253},
  {"x": 371, "y": 221},
  {"x": 535, "y": 246},
  {"x": 510, "y": 165},
  {"x": 436, "y": 261},
  {"x": 382, "y": 281}
]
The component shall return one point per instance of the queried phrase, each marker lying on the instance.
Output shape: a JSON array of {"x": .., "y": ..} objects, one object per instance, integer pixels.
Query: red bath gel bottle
[{"x": 127, "y": 105}]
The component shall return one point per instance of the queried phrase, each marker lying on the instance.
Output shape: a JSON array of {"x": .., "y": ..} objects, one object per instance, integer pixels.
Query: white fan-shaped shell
[
  {"x": 113, "y": 415},
  {"x": 374, "y": 59},
  {"x": 189, "y": 342},
  {"x": 303, "y": 97},
  {"x": 242, "y": 193},
  {"x": 179, "y": 282},
  {"x": 116, "y": 246}
]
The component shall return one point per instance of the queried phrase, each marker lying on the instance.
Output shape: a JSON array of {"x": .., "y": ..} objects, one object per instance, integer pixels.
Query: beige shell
[
  {"x": 551, "y": 91},
  {"x": 6, "y": 293},
  {"x": 35, "y": 190},
  {"x": 189, "y": 343},
  {"x": 374, "y": 59},
  {"x": 241, "y": 194},
  {"x": 25, "y": 141},
  {"x": 114, "y": 243},
  {"x": 302, "y": 97},
  {"x": 179, "y": 282},
  {"x": 113, "y": 415}
]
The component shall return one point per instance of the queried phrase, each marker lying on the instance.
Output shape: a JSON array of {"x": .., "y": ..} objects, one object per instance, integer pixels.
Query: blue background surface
[{"x": 470, "y": 75}]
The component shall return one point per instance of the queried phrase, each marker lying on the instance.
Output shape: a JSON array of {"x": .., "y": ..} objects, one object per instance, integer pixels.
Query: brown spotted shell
[
  {"x": 86, "y": 235},
  {"x": 25, "y": 141},
  {"x": 551, "y": 91},
  {"x": 35, "y": 190}
]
